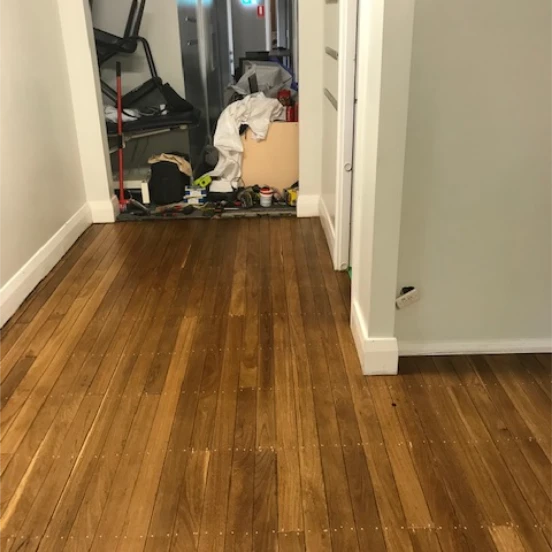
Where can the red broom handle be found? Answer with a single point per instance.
(120, 136)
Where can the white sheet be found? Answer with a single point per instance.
(257, 111)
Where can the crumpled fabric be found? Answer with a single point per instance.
(182, 164)
(257, 112)
(110, 112)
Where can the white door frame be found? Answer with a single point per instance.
(338, 231)
(345, 132)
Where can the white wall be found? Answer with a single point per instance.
(159, 27)
(80, 56)
(42, 197)
(310, 79)
(476, 220)
(383, 72)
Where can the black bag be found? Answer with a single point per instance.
(166, 184)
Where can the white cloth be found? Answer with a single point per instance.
(127, 115)
(132, 114)
(257, 111)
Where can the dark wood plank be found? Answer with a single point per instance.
(239, 286)
(458, 478)
(239, 523)
(215, 507)
(507, 486)
(17, 330)
(290, 515)
(506, 539)
(291, 542)
(190, 504)
(113, 514)
(340, 509)
(266, 496)
(435, 491)
(20, 412)
(68, 290)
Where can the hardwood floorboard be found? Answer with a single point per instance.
(506, 539)
(514, 500)
(36, 299)
(464, 496)
(540, 375)
(267, 501)
(67, 290)
(20, 410)
(113, 514)
(291, 542)
(194, 385)
(440, 505)
(215, 505)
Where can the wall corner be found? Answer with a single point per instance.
(104, 212)
(378, 355)
(308, 205)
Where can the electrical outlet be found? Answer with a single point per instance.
(407, 298)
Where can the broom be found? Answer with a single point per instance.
(122, 201)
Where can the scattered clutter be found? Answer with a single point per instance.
(291, 195)
(260, 76)
(200, 202)
(179, 159)
(257, 112)
(195, 195)
(170, 174)
(203, 181)
(285, 98)
(263, 110)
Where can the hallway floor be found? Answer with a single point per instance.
(193, 385)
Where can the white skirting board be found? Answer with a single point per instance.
(104, 211)
(378, 356)
(329, 230)
(496, 346)
(19, 286)
(308, 205)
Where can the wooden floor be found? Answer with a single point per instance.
(193, 385)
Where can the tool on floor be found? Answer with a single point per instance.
(203, 181)
(122, 201)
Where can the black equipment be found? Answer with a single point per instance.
(109, 45)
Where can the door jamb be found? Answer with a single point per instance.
(348, 11)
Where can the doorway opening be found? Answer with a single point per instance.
(198, 81)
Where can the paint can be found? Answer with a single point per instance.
(266, 197)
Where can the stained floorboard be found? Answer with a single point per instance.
(193, 385)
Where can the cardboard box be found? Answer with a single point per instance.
(272, 162)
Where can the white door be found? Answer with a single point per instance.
(340, 25)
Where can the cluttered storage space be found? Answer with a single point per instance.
(201, 106)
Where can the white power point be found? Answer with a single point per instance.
(408, 296)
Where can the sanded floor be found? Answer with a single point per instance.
(193, 385)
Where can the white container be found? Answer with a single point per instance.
(266, 198)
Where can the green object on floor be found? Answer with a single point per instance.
(350, 272)
(203, 181)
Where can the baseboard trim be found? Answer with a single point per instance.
(104, 211)
(308, 205)
(329, 230)
(19, 286)
(378, 356)
(498, 346)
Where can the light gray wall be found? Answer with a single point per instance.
(41, 182)
(159, 27)
(476, 217)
